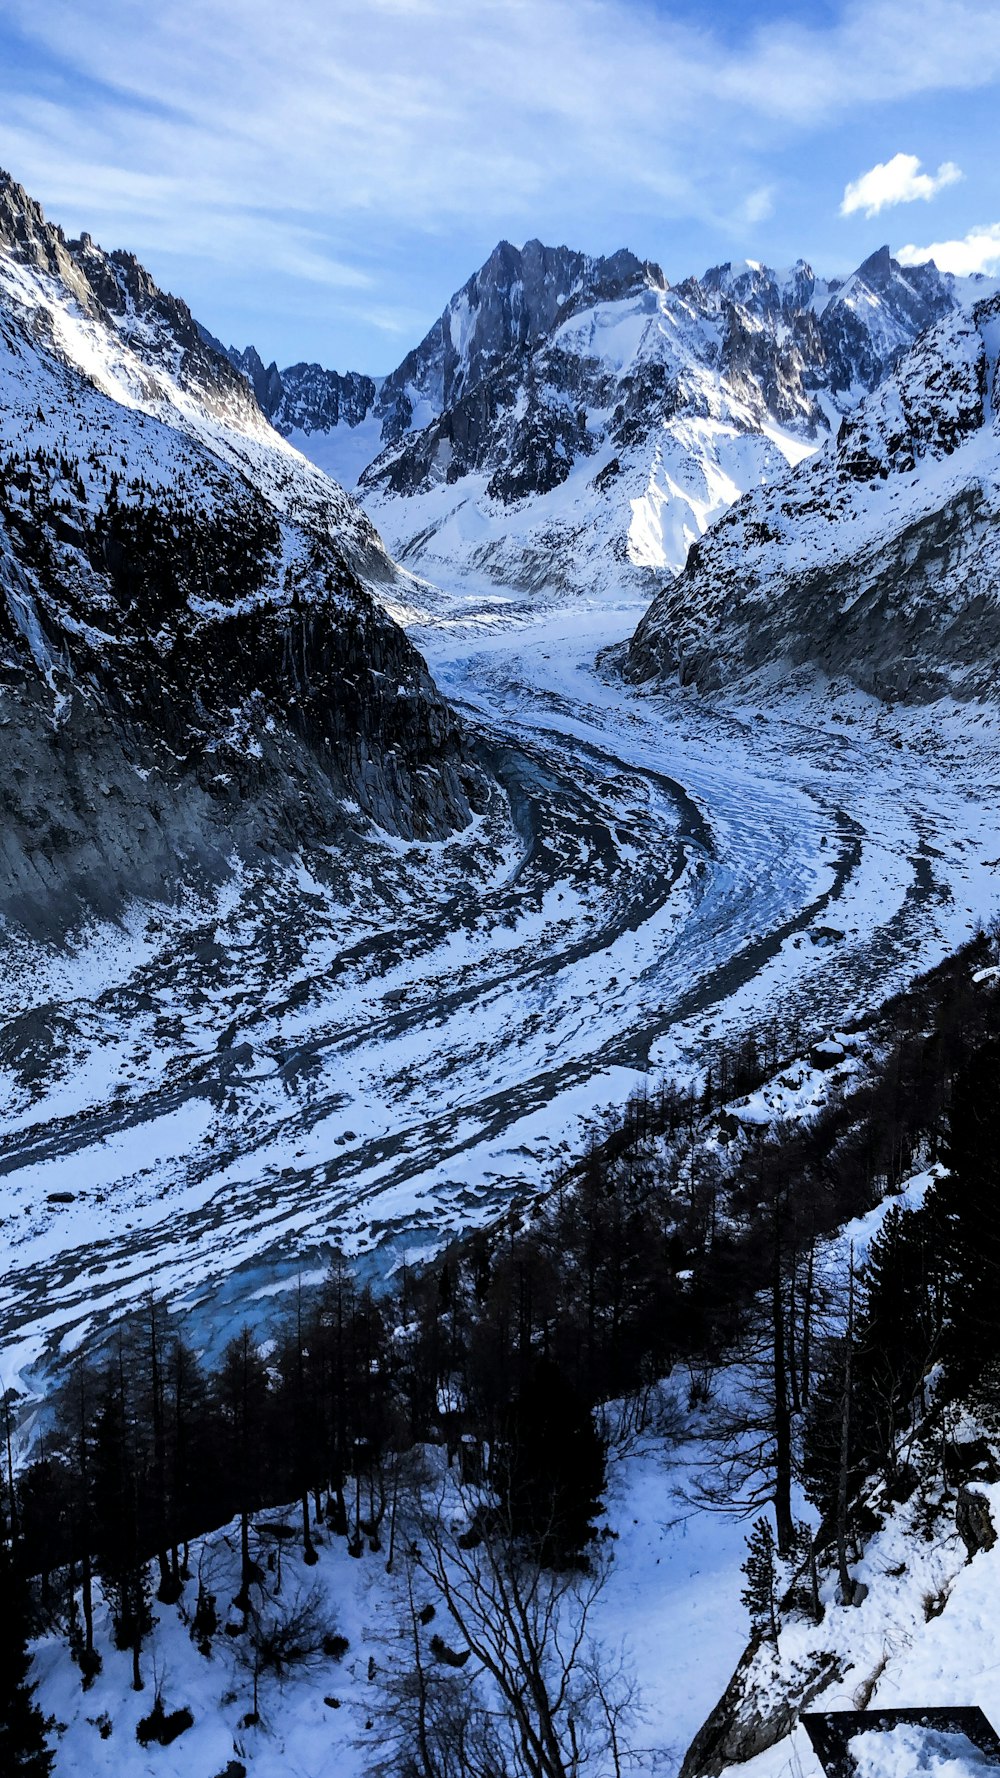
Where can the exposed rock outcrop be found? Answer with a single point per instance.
(748, 1718)
(191, 671)
(878, 561)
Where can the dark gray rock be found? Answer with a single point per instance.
(305, 397)
(974, 1522)
(747, 1719)
(191, 669)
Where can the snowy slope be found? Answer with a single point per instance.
(925, 1636)
(193, 671)
(101, 314)
(574, 425)
(879, 559)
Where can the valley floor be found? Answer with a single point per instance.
(205, 1102)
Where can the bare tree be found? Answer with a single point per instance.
(536, 1696)
(283, 1635)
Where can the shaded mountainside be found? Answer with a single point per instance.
(578, 423)
(102, 313)
(879, 560)
(192, 671)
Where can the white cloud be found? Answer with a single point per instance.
(321, 144)
(978, 251)
(759, 205)
(898, 181)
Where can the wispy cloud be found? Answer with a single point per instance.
(978, 251)
(297, 138)
(424, 109)
(759, 205)
(896, 181)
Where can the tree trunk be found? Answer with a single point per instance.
(246, 1571)
(88, 1604)
(793, 1366)
(846, 1583)
(309, 1555)
(805, 1353)
(782, 1413)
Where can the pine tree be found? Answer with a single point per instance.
(760, 1569)
(899, 1329)
(550, 1467)
(969, 1202)
(23, 1749)
(118, 1531)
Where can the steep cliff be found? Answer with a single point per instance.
(192, 671)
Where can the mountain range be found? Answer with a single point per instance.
(442, 1074)
(191, 689)
(878, 560)
(577, 423)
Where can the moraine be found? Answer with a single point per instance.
(230, 1090)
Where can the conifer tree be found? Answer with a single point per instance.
(760, 1569)
(118, 1528)
(550, 1467)
(968, 1200)
(23, 1749)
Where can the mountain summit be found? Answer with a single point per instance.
(878, 560)
(577, 422)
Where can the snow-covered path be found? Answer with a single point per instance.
(225, 1092)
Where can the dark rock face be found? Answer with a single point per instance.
(906, 301)
(222, 707)
(515, 300)
(746, 1721)
(266, 384)
(191, 671)
(511, 303)
(974, 1522)
(305, 397)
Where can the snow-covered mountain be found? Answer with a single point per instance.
(193, 670)
(878, 560)
(578, 423)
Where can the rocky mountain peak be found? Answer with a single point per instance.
(757, 287)
(183, 620)
(877, 270)
(552, 366)
(266, 383)
(876, 560)
(115, 289)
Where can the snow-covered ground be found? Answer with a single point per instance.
(241, 1086)
(670, 1602)
(223, 1092)
(925, 1637)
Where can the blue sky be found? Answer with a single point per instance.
(318, 176)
